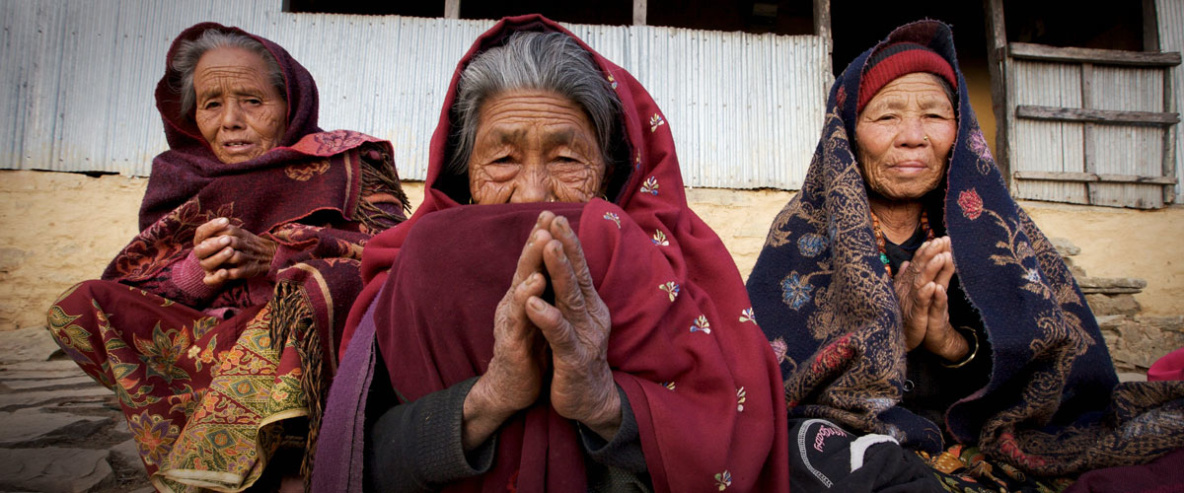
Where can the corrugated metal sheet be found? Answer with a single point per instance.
(1043, 145)
(1171, 38)
(746, 110)
(1128, 150)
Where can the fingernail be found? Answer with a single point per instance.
(223, 220)
(535, 304)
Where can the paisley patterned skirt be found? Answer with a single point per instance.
(965, 469)
(206, 399)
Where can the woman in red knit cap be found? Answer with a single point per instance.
(929, 335)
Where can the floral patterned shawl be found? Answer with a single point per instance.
(209, 378)
(698, 373)
(1052, 406)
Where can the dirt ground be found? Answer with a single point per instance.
(57, 229)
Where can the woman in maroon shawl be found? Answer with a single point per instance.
(217, 326)
(599, 342)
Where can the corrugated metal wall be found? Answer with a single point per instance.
(1171, 38)
(1052, 146)
(1044, 145)
(78, 75)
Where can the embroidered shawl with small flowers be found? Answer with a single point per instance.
(696, 370)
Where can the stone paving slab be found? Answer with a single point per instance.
(53, 469)
(40, 383)
(54, 365)
(127, 452)
(33, 427)
(14, 400)
(42, 374)
(59, 429)
(29, 344)
(1131, 377)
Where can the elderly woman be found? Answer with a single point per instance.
(909, 297)
(217, 326)
(577, 327)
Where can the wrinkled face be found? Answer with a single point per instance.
(239, 112)
(904, 136)
(534, 146)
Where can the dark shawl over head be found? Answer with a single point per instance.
(698, 373)
(824, 298)
(309, 196)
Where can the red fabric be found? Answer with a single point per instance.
(1169, 367)
(189, 165)
(1162, 475)
(709, 404)
(899, 59)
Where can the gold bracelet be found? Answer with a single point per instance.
(973, 350)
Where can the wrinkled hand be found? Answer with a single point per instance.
(577, 328)
(921, 286)
(514, 379)
(228, 252)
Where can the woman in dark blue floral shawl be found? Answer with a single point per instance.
(1020, 369)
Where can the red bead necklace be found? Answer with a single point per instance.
(882, 243)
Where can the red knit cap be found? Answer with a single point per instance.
(900, 59)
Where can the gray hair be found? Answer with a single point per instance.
(189, 53)
(540, 61)
(949, 90)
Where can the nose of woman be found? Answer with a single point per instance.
(533, 185)
(232, 116)
(912, 133)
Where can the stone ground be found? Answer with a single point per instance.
(60, 431)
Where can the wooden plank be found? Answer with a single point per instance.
(822, 27)
(1045, 53)
(1055, 176)
(452, 9)
(639, 12)
(1150, 26)
(1169, 137)
(997, 66)
(1093, 178)
(1145, 180)
(1088, 138)
(1097, 116)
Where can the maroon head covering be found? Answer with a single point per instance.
(696, 369)
(189, 168)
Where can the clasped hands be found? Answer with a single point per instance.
(922, 287)
(227, 252)
(576, 327)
